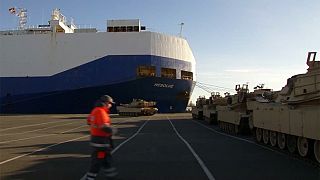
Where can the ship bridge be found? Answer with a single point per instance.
(125, 25)
(59, 23)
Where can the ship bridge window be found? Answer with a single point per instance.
(124, 28)
(186, 75)
(168, 73)
(129, 28)
(110, 29)
(146, 71)
(117, 29)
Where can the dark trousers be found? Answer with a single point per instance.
(101, 158)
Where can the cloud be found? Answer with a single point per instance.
(244, 70)
(210, 76)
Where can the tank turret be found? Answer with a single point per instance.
(303, 88)
(197, 111)
(201, 101)
(209, 109)
(139, 103)
(233, 116)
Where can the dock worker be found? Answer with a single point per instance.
(101, 140)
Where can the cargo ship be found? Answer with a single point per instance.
(61, 68)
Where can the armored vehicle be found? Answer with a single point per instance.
(137, 107)
(291, 119)
(210, 109)
(233, 117)
(197, 111)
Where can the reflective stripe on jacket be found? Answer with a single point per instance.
(100, 142)
(98, 119)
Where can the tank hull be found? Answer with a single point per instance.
(300, 121)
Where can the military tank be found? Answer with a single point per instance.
(261, 95)
(233, 117)
(197, 111)
(210, 112)
(291, 117)
(137, 107)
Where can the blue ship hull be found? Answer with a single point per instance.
(75, 90)
(171, 95)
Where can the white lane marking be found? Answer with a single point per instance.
(38, 150)
(37, 129)
(223, 133)
(47, 147)
(73, 129)
(121, 144)
(134, 135)
(234, 137)
(31, 125)
(3, 142)
(203, 166)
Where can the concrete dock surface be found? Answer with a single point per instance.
(159, 147)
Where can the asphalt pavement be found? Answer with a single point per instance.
(159, 147)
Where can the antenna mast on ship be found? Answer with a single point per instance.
(22, 14)
(181, 26)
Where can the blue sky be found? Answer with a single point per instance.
(233, 41)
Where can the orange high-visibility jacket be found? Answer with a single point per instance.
(98, 119)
